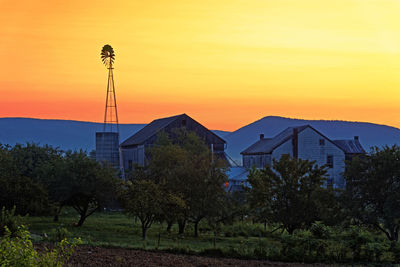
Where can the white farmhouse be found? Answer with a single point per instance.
(306, 143)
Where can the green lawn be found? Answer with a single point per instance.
(118, 230)
(241, 240)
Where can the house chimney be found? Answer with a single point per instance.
(295, 143)
(261, 136)
(356, 137)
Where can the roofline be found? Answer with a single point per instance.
(290, 136)
(121, 145)
(223, 140)
(330, 140)
(286, 139)
(273, 148)
(351, 152)
(257, 153)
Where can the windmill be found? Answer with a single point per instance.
(107, 142)
(110, 115)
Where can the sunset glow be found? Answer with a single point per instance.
(225, 63)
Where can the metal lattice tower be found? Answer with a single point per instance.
(111, 113)
(107, 142)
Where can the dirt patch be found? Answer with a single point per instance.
(97, 256)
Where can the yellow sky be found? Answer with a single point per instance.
(226, 63)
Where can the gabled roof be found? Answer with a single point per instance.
(267, 145)
(149, 130)
(154, 127)
(351, 146)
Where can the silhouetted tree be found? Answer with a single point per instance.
(143, 199)
(372, 192)
(289, 192)
(84, 184)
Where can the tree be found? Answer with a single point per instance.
(183, 167)
(372, 194)
(34, 161)
(143, 199)
(288, 193)
(17, 185)
(84, 184)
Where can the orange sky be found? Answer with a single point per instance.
(226, 63)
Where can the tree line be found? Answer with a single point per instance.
(183, 183)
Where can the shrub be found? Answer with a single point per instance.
(357, 239)
(320, 230)
(19, 251)
(266, 250)
(374, 250)
(10, 220)
(58, 234)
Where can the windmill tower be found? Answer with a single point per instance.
(107, 141)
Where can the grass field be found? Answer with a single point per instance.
(118, 230)
(241, 240)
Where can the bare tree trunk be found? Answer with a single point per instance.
(196, 228)
(58, 211)
(181, 224)
(169, 226)
(81, 220)
(144, 230)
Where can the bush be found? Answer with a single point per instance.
(357, 239)
(320, 230)
(266, 250)
(374, 251)
(10, 220)
(19, 251)
(58, 234)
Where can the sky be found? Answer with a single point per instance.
(225, 63)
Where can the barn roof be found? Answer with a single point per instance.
(267, 145)
(351, 146)
(153, 128)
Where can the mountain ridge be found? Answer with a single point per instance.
(75, 135)
(370, 134)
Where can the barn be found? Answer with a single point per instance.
(134, 148)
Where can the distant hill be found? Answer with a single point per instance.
(65, 134)
(370, 134)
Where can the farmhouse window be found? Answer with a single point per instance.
(321, 142)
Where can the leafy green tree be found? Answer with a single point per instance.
(288, 193)
(208, 196)
(372, 193)
(143, 199)
(28, 194)
(84, 184)
(182, 165)
(34, 161)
